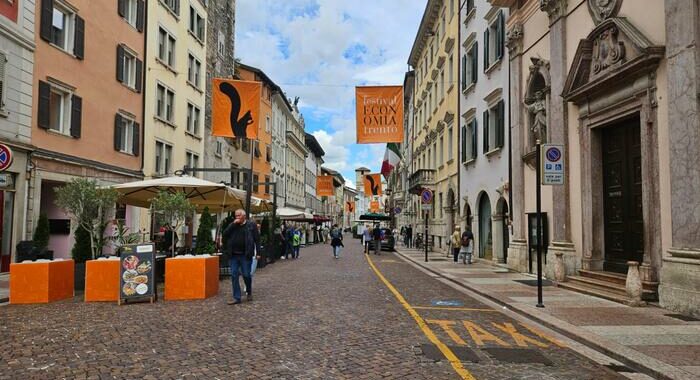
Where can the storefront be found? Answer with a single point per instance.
(12, 200)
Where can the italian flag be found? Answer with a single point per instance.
(391, 159)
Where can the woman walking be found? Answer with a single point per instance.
(336, 241)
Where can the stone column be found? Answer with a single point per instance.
(558, 127)
(517, 249)
(680, 273)
(498, 235)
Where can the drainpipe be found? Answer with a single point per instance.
(143, 86)
(458, 115)
(510, 151)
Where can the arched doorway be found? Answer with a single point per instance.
(467, 217)
(485, 235)
(450, 212)
(500, 231)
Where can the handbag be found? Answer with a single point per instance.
(253, 265)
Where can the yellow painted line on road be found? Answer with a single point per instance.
(452, 308)
(454, 361)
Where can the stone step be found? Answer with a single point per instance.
(591, 290)
(618, 278)
(612, 287)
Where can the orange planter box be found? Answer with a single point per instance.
(101, 280)
(41, 282)
(191, 278)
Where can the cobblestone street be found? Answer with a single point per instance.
(313, 318)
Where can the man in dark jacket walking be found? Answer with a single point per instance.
(243, 241)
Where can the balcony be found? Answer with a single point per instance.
(421, 178)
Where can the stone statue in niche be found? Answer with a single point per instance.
(537, 109)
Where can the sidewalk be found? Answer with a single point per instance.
(649, 339)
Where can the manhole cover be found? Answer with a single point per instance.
(518, 355)
(447, 303)
(682, 317)
(462, 353)
(534, 282)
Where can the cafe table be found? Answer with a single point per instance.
(189, 277)
(102, 279)
(41, 281)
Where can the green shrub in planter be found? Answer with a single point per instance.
(41, 232)
(205, 242)
(81, 251)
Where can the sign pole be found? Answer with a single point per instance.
(538, 193)
(425, 237)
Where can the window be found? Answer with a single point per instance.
(62, 24)
(126, 135)
(442, 149)
(268, 153)
(219, 148)
(191, 160)
(450, 141)
(172, 5)
(494, 39)
(62, 27)
(494, 125)
(194, 69)
(245, 145)
(221, 45)
(165, 100)
(451, 76)
(163, 158)
(132, 11)
(442, 84)
(129, 69)
(267, 124)
(256, 149)
(469, 141)
(60, 110)
(193, 119)
(452, 8)
(256, 185)
(166, 48)
(3, 61)
(120, 212)
(196, 24)
(442, 25)
(267, 184)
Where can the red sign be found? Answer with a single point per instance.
(5, 157)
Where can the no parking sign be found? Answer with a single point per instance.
(552, 164)
(5, 157)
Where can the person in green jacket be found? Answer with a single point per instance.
(296, 242)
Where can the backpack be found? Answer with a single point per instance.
(335, 234)
(465, 240)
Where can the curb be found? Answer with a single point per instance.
(635, 360)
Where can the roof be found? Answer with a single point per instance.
(362, 169)
(430, 15)
(313, 145)
(335, 174)
(266, 80)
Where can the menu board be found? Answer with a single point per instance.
(137, 272)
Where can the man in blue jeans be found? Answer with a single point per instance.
(243, 241)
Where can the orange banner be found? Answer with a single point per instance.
(236, 108)
(324, 186)
(373, 184)
(350, 206)
(379, 114)
(374, 206)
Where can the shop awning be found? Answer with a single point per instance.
(374, 216)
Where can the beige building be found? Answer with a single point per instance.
(434, 57)
(175, 86)
(609, 80)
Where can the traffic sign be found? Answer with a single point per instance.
(552, 164)
(426, 196)
(5, 157)
(397, 210)
(426, 207)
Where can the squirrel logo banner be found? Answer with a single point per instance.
(373, 184)
(236, 108)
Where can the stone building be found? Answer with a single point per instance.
(313, 163)
(617, 85)
(295, 155)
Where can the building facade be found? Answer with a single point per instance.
(483, 121)
(362, 205)
(220, 152)
(407, 201)
(434, 57)
(16, 83)
(281, 116)
(313, 162)
(295, 158)
(349, 195)
(175, 88)
(76, 129)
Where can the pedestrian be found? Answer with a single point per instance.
(336, 241)
(289, 249)
(377, 235)
(366, 237)
(467, 243)
(296, 242)
(243, 242)
(409, 235)
(456, 243)
(395, 233)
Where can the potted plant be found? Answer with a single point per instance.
(205, 242)
(121, 236)
(41, 234)
(175, 208)
(88, 204)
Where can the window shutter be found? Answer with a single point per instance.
(117, 132)
(137, 132)
(3, 60)
(76, 116)
(177, 7)
(44, 105)
(474, 140)
(464, 72)
(140, 15)
(79, 47)
(121, 7)
(486, 49)
(139, 75)
(45, 30)
(500, 37)
(120, 63)
(475, 62)
(464, 144)
(486, 131)
(500, 134)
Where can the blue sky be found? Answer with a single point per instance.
(320, 50)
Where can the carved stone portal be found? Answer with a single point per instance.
(608, 50)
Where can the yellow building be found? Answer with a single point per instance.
(434, 57)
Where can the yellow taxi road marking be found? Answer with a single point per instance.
(452, 308)
(480, 335)
(454, 361)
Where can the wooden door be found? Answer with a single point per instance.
(622, 195)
